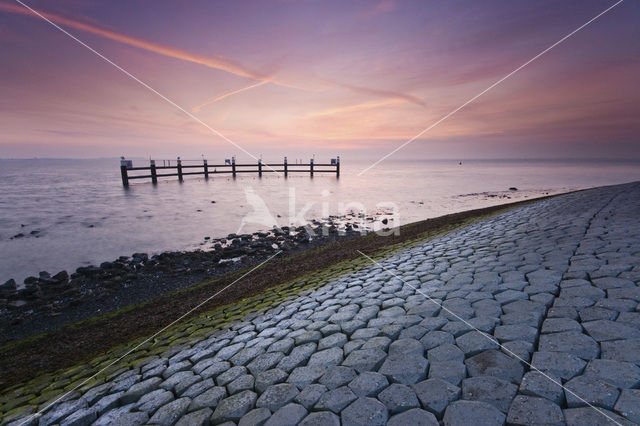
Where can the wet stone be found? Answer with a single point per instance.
(335, 400)
(413, 417)
(365, 412)
(436, 394)
(290, 414)
(472, 412)
(529, 410)
(398, 398)
(492, 390)
(170, 413)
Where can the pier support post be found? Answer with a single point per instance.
(179, 169)
(286, 172)
(311, 167)
(233, 166)
(260, 167)
(123, 172)
(338, 166)
(206, 169)
(154, 175)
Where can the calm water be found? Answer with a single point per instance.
(82, 215)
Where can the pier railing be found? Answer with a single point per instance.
(179, 169)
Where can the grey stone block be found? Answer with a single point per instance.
(570, 342)
(588, 390)
(337, 376)
(497, 364)
(365, 359)
(277, 396)
(335, 400)
(321, 418)
(197, 418)
(368, 384)
(530, 410)
(558, 364)
(622, 350)
(541, 385)
(398, 398)
(150, 402)
(304, 376)
(445, 352)
(234, 407)
(449, 371)
(365, 412)
(406, 369)
(289, 415)
(492, 390)
(628, 404)
(472, 412)
(602, 330)
(436, 394)
(474, 342)
(557, 325)
(588, 416)
(413, 417)
(309, 395)
(255, 417)
(170, 413)
(268, 378)
(621, 374)
(326, 358)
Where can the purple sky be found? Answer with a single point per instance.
(298, 77)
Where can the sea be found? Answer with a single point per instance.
(60, 214)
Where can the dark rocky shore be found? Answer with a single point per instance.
(48, 302)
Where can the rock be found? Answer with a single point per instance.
(406, 369)
(139, 389)
(289, 415)
(244, 382)
(168, 414)
(368, 384)
(621, 374)
(364, 412)
(474, 342)
(303, 376)
(398, 398)
(265, 362)
(363, 360)
(197, 418)
(150, 402)
(529, 410)
(268, 378)
(335, 400)
(436, 394)
(255, 417)
(449, 371)
(337, 376)
(497, 364)
(82, 417)
(234, 407)
(622, 350)
(208, 399)
(584, 390)
(492, 390)
(547, 386)
(628, 404)
(277, 396)
(310, 395)
(588, 416)
(472, 412)
(602, 330)
(558, 364)
(321, 418)
(570, 342)
(326, 358)
(60, 411)
(413, 417)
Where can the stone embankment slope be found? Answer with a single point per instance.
(529, 317)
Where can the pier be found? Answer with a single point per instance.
(181, 168)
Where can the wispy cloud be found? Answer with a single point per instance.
(354, 108)
(381, 93)
(216, 62)
(381, 7)
(226, 95)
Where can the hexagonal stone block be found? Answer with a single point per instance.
(497, 364)
(622, 350)
(230, 375)
(525, 333)
(255, 417)
(558, 325)
(472, 412)
(436, 394)
(150, 402)
(234, 407)
(406, 347)
(602, 330)
(326, 358)
(337, 376)
(321, 418)
(364, 412)
(449, 371)
(407, 369)
(197, 418)
(336, 340)
(335, 400)
(474, 342)
(436, 338)
(277, 396)
(310, 395)
(264, 362)
(587, 390)
(628, 404)
(621, 374)
(304, 376)
(558, 364)
(268, 378)
(570, 342)
(413, 417)
(365, 359)
(368, 384)
(541, 385)
(445, 352)
(529, 410)
(588, 416)
(398, 398)
(290, 414)
(169, 414)
(492, 390)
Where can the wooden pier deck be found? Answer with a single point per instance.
(182, 168)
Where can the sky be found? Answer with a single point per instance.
(303, 77)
